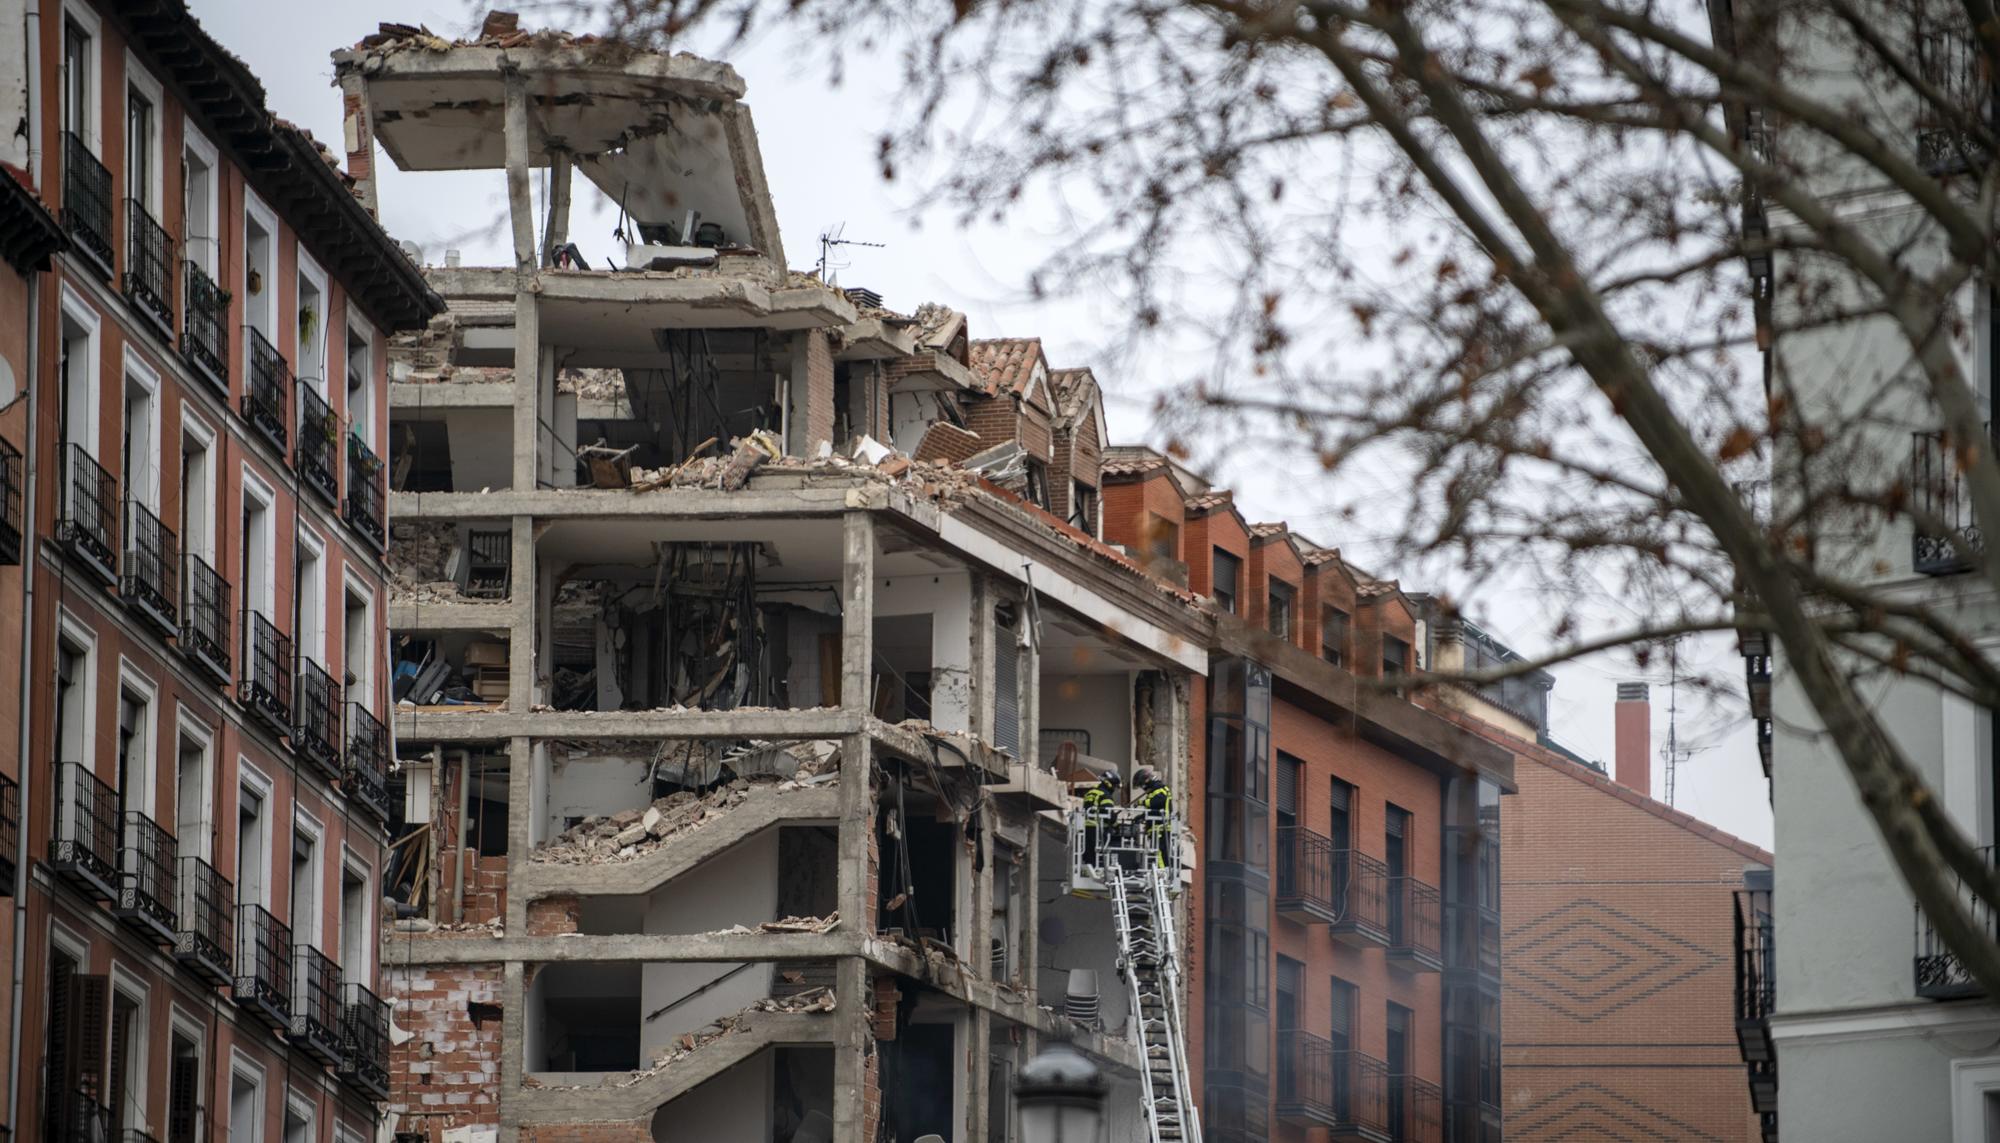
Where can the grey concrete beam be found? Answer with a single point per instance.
(645, 1093)
(723, 297)
(427, 615)
(562, 68)
(644, 948)
(481, 724)
(598, 503)
(429, 396)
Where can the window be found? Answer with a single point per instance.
(260, 270)
(298, 1121)
(1333, 635)
(354, 942)
(305, 883)
(1291, 993)
(1291, 772)
(139, 122)
(79, 78)
(357, 650)
(309, 601)
(191, 797)
(1083, 506)
(360, 393)
(1398, 1059)
(1395, 657)
(1228, 573)
(75, 689)
(135, 750)
(1038, 484)
(139, 450)
(1340, 825)
(246, 1107)
(198, 202)
(259, 550)
(1342, 1031)
(183, 1088)
(127, 1073)
(197, 523)
(1396, 831)
(77, 375)
(311, 327)
(253, 859)
(74, 1062)
(1279, 616)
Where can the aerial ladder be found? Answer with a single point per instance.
(1122, 858)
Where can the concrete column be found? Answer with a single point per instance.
(520, 820)
(520, 203)
(978, 1096)
(523, 594)
(981, 699)
(852, 1042)
(856, 887)
(857, 612)
(559, 179)
(513, 1038)
(1030, 680)
(527, 326)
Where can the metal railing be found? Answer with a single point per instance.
(88, 525)
(365, 777)
(10, 832)
(267, 671)
(1416, 1110)
(1361, 893)
(149, 265)
(152, 566)
(1946, 528)
(316, 734)
(1950, 63)
(318, 454)
(1305, 881)
(316, 1003)
(264, 965)
(267, 391)
(205, 324)
(205, 618)
(84, 845)
(365, 494)
(1940, 975)
(1304, 1077)
(12, 481)
(147, 876)
(364, 1040)
(206, 941)
(76, 1117)
(1756, 985)
(1415, 923)
(86, 208)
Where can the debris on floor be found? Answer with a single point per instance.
(628, 833)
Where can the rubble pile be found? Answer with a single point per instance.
(593, 384)
(812, 1000)
(819, 999)
(824, 924)
(419, 560)
(627, 833)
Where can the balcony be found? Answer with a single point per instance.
(1940, 975)
(365, 777)
(1415, 919)
(318, 455)
(77, 1117)
(88, 522)
(264, 966)
(12, 481)
(86, 211)
(267, 673)
(316, 735)
(148, 870)
(10, 832)
(316, 1023)
(1756, 996)
(1305, 882)
(267, 392)
(364, 492)
(364, 1041)
(1416, 1110)
(1321, 1085)
(150, 584)
(1941, 504)
(205, 619)
(1950, 62)
(84, 847)
(208, 922)
(149, 266)
(205, 325)
(1361, 892)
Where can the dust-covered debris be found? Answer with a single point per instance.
(593, 384)
(420, 559)
(628, 833)
(812, 1001)
(819, 999)
(824, 924)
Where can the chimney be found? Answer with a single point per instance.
(1633, 723)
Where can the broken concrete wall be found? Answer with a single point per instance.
(947, 598)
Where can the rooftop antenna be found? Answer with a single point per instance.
(1674, 753)
(828, 239)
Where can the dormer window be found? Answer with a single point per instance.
(1278, 616)
(1228, 573)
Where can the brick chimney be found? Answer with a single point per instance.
(1633, 724)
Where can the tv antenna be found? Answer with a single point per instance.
(828, 239)
(1675, 754)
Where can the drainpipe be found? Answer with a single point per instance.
(29, 555)
(458, 859)
(34, 33)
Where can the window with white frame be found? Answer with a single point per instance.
(136, 769)
(139, 450)
(260, 542)
(79, 74)
(309, 600)
(305, 880)
(311, 326)
(357, 651)
(76, 374)
(246, 1102)
(360, 375)
(260, 269)
(126, 1086)
(253, 843)
(194, 769)
(76, 695)
(197, 523)
(200, 181)
(184, 1082)
(356, 936)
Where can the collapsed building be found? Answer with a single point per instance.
(747, 637)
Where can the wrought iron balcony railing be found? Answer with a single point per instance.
(149, 266)
(365, 777)
(84, 845)
(318, 454)
(1415, 924)
(267, 392)
(1361, 894)
(1950, 63)
(1756, 997)
(10, 832)
(316, 1004)
(365, 494)
(12, 481)
(205, 325)
(1941, 504)
(267, 672)
(148, 874)
(1321, 1084)
(150, 585)
(264, 966)
(1416, 1110)
(206, 942)
(1940, 974)
(76, 1117)
(205, 619)
(88, 524)
(364, 1041)
(316, 734)
(1305, 882)
(86, 208)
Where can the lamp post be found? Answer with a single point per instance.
(1060, 1095)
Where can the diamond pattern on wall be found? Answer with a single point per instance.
(1587, 1111)
(1587, 960)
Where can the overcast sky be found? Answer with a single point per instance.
(819, 143)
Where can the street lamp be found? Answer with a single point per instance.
(1060, 1095)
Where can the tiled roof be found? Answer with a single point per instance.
(1073, 388)
(1317, 556)
(1374, 588)
(1207, 500)
(1134, 466)
(1005, 364)
(1267, 529)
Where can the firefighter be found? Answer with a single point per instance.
(1158, 803)
(1100, 807)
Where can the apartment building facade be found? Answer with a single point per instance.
(196, 839)
(1351, 844)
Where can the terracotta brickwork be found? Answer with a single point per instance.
(819, 389)
(635, 1131)
(447, 1074)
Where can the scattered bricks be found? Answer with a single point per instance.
(883, 1012)
(631, 836)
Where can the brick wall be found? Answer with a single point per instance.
(635, 1131)
(553, 916)
(819, 389)
(947, 442)
(992, 419)
(485, 888)
(1618, 946)
(1037, 434)
(447, 1074)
